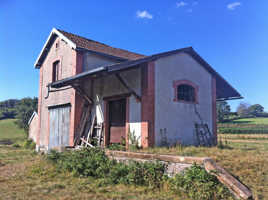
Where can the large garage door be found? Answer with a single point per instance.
(59, 125)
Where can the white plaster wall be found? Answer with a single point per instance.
(135, 128)
(135, 117)
(92, 61)
(178, 118)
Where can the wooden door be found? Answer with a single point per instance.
(117, 120)
(59, 126)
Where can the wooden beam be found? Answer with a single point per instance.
(127, 87)
(87, 143)
(83, 94)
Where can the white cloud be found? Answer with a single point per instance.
(181, 4)
(232, 6)
(144, 14)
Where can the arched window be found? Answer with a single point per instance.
(185, 91)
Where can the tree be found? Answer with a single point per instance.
(242, 109)
(7, 108)
(25, 109)
(255, 110)
(223, 110)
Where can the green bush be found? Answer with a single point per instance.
(118, 174)
(29, 144)
(93, 162)
(86, 162)
(117, 147)
(197, 184)
(148, 173)
(16, 145)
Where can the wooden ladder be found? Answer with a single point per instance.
(99, 134)
(204, 136)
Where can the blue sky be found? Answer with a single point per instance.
(231, 35)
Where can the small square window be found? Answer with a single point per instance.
(186, 93)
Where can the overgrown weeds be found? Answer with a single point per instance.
(195, 182)
(117, 147)
(92, 162)
(29, 144)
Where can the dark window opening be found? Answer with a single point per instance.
(55, 71)
(186, 93)
(117, 112)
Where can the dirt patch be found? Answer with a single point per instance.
(1, 164)
(10, 170)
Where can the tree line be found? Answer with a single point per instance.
(244, 110)
(21, 110)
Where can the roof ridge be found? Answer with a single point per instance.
(97, 42)
(82, 37)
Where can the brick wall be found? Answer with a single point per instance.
(148, 105)
(70, 64)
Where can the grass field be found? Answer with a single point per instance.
(26, 175)
(259, 120)
(244, 126)
(10, 132)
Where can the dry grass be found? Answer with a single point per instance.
(247, 161)
(26, 175)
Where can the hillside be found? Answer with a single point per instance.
(9, 132)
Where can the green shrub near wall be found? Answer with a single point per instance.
(194, 183)
(93, 162)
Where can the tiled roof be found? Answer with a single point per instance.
(100, 47)
(224, 90)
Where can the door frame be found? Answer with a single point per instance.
(49, 108)
(106, 101)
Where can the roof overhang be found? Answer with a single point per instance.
(224, 91)
(32, 116)
(51, 38)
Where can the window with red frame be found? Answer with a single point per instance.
(186, 93)
(55, 71)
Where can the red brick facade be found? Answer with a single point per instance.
(214, 108)
(71, 63)
(76, 100)
(148, 105)
(127, 121)
(39, 105)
